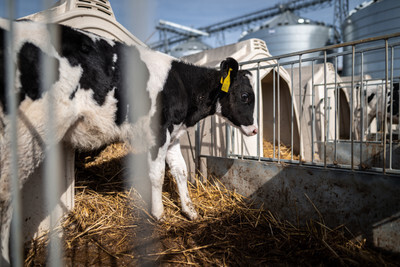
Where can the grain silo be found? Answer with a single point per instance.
(371, 19)
(287, 33)
(192, 46)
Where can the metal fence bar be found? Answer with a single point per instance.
(301, 113)
(273, 112)
(52, 163)
(336, 111)
(391, 110)
(279, 113)
(16, 248)
(353, 55)
(312, 112)
(325, 109)
(259, 94)
(362, 101)
(385, 103)
(291, 113)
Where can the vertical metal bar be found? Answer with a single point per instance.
(213, 135)
(352, 106)
(325, 109)
(260, 136)
(233, 140)
(278, 92)
(228, 139)
(136, 79)
(336, 111)
(362, 101)
(381, 120)
(52, 163)
(385, 104)
(291, 112)
(398, 99)
(377, 117)
(391, 111)
(16, 249)
(329, 117)
(197, 148)
(241, 134)
(273, 113)
(301, 114)
(242, 145)
(312, 112)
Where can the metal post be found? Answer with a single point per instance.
(197, 148)
(385, 104)
(292, 113)
(391, 110)
(301, 114)
(228, 137)
(279, 114)
(336, 111)
(52, 163)
(273, 114)
(362, 101)
(325, 110)
(312, 112)
(260, 137)
(16, 249)
(352, 105)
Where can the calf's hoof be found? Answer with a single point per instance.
(191, 214)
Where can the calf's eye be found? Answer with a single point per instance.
(245, 97)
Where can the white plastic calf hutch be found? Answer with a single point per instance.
(212, 130)
(312, 100)
(91, 15)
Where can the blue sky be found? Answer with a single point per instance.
(141, 16)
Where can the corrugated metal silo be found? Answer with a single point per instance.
(373, 18)
(192, 46)
(288, 33)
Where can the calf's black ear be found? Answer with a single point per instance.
(227, 64)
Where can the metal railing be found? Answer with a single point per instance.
(329, 118)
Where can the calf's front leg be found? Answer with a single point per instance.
(178, 170)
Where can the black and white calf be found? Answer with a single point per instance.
(374, 108)
(94, 77)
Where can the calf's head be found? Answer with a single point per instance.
(237, 97)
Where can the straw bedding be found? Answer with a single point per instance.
(282, 151)
(110, 226)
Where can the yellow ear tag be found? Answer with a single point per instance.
(227, 82)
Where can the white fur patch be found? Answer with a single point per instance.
(218, 109)
(249, 130)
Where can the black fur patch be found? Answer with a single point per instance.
(102, 75)
(94, 57)
(370, 97)
(395, 100)
(30, 59)
(72, 96)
